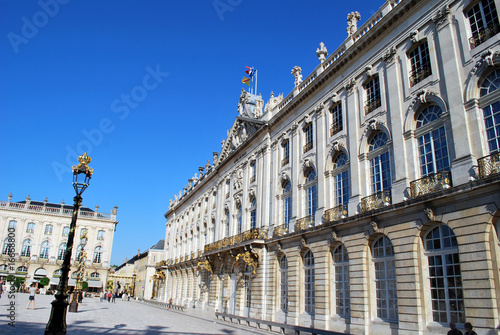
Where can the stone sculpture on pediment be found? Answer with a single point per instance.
(322, 52)
(352, 23)
(273, 102)
(296, 73)
(244, 98)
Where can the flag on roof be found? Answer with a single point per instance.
(246, 80)
(250, 71)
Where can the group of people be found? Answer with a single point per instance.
(109, 296)
(468, 329)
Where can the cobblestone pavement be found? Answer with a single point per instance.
(122, 317)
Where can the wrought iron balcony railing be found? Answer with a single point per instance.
(304, 223)
(285, 161)
(377, 200)
(431, 183)
(483, 35)
(335, 128)
(336, 213)
(280, 230)
(308, 146)
(371, 105)
(419, 74)
(489, 165)
(252, 234)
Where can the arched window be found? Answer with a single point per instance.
(311, 188)
(380, 167)
(385, 279)
(57, 273)
(445, 277)
(22, 270)
(95, 276)
(432, 146)
(491, 112)
(284, 284)
(239, 219)
(40, 273)
(342, 284)
(98, 254)
(287, 203)
(253, 213)
(26, 248)
(61, 251)
(6, 246)
(45, 250)
(309, 277)
(341, 179)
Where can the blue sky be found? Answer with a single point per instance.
(148, 88)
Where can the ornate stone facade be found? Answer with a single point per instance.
(40, 232)
(389, 224)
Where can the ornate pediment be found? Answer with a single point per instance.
(243, 128)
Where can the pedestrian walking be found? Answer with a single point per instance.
(109, 296)
(101, 296)
(453, 329)
(113, 298)
(1, 288)
(31, 298)
(468, 327)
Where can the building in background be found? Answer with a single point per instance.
(367, 199)
(40, 232)
(138, 276)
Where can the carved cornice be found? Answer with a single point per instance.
(442, 16)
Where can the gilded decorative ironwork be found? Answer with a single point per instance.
(335, 128)
(308, 146)
(489, 165)
(304, 223)
(249, 259)
(252, 234)
(420, 74)
(431, 183)
(371, 105)
(207, 266)
(483, 35)
(280, 230)
(336, 213)
(377, 200)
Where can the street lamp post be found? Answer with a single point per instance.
(73, 306)
(57, 320)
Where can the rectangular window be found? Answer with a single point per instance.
(65, 231)
(308, 132)
(342, 189)
(381, 173)
(286, 153)
(30, 228)
(483, 20)
(48, 229)
(336, 119)
(287, 210)
(253, 172)
(100, 235)
(420, 62)
(312, 201)
(12, 224)
(372, 90)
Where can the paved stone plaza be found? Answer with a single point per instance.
(122, 317)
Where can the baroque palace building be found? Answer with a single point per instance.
(40, 232)
(367, 200)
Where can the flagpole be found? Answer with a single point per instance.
(255, 82)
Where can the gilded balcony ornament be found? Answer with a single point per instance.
(249, 259)
(280, 230)
(304, 223)
(489, 165)
(207, 266)
(377, 200)
(431, 183)
(336, 213)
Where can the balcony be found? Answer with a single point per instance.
(377, 200)
(285, 161)
(371, 105)
(304, 223)
(252, 234)
(335, 128)
(489, 165)
(420, 74)
(336, 213)
(483, 35)
(308, 146)
(431, 183)
(280, 230)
